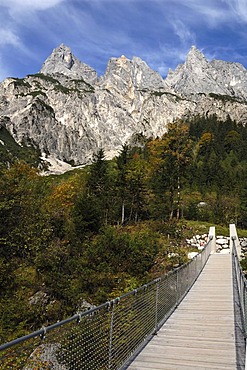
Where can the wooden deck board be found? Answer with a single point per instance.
(200, 332)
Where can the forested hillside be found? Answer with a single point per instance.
(92, 234)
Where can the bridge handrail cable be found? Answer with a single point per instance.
(108, 336)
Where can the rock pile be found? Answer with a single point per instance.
(199, 241)
(222, 244)
(243, 244)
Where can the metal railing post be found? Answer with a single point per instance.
(234, 239)
(156, 305)
(111, 307)
(177, 288)
(212, 239)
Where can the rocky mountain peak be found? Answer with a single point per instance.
(64, 62)
(134, 73)
(195, 56)
(198, 75)
(71, 114)
(195, 76)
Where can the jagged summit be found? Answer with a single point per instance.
(194, 55)
(197, 75)
(68, 120)
(131, 72)
(193, 76)
(63, 61)
(196, 62)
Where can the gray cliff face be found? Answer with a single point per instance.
(233, 76)
(197, 75)
(126, 75)
(62, 61)
(69, 113)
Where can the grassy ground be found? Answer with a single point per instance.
(199, 227)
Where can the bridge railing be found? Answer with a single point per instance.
(241, 287)
(108, 336)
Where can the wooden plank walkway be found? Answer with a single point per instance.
(200, 332)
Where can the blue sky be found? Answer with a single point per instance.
(160, 32)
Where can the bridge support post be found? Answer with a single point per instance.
(156, 306)
(111, 308)
(213, 239)
(234, 234)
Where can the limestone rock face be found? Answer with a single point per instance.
(64, 62)
(69, 113)
(125, 74)
(233, 76)
(197, 76)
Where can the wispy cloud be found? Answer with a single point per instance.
(159, 31)
(183, 32)
(28, 5)
(238, 9)
(9, 37)
(211, 12)
(19, 24)
(3, 70)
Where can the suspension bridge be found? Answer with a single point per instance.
(191, 318)
(200, 333)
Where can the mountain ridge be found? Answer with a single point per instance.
(68, 112)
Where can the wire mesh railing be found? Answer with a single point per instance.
(241, 287)
(107, 336)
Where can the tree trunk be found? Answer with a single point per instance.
(123, 216)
